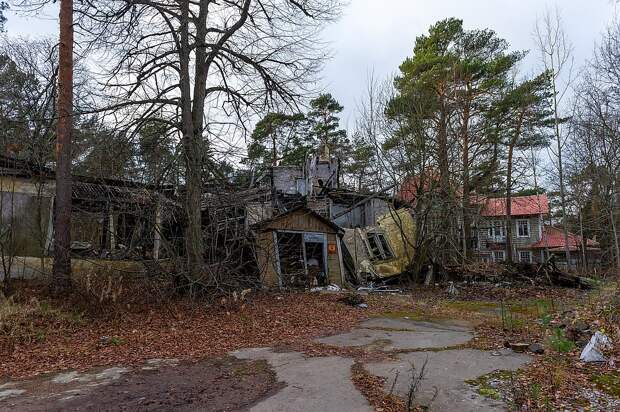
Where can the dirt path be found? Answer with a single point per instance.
(216, 385)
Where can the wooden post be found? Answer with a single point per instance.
(157, 231)
(111, 231)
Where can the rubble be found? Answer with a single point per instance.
(328, 288)
(536, 348)
(547, 274)
(372, 288)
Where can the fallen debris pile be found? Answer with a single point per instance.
(547, 274)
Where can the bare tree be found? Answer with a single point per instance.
(207, 65)
(594, 146)
(556, 55)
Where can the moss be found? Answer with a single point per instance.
(495, 375)
(489, 393)
(483, 383)
(418, 315)
(608, 383)
(473, 306)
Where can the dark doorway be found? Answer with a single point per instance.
(291, 258)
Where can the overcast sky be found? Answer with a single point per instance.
(377, 35)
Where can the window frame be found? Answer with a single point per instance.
(383, 248)
(503, 259)
(529, 253)
(528, 226)
(494, 228)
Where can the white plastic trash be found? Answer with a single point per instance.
(593, 352)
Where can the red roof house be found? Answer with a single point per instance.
(553, 239)
(521, 206)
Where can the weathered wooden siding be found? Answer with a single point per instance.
(299, 221)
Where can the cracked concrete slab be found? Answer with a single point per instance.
(446, 371)
(7, 393)
(312, 384)
(401, 334)
(415, 325)
(105, 375)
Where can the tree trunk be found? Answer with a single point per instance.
(561, 172)
(509, 257)
(442, 149)
(61, 273)
(615, 233)
(192, 152)
(583, 242)
(466, 185)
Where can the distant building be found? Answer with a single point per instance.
(532, 240)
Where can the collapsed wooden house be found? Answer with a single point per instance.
(112, 220)
(299, 248)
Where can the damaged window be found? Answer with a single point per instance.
(378, 247)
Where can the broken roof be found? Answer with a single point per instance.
(86, 187)
(265, 223)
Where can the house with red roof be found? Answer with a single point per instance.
(527, 220)
(532, 240)
(553, 243)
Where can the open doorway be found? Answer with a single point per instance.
(302, 259)
(316, 261)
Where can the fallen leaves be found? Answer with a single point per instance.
(202, 331)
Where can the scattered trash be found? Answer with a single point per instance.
(452, 289)
(104, 340)
(593, 350)
(330, 288)
(372, 288)
(362, 306)
(334, 288)
(536, 348)
(496, 353)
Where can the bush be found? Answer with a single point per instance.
(558, 341)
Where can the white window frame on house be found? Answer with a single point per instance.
(497, 230)
(497, 253)
(527, 225)
(529, 255)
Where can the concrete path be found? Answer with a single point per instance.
(319, 384)
(443, 386)
(401, 334)
(300, 383)
(312, 384)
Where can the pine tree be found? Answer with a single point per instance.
(324, 126)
